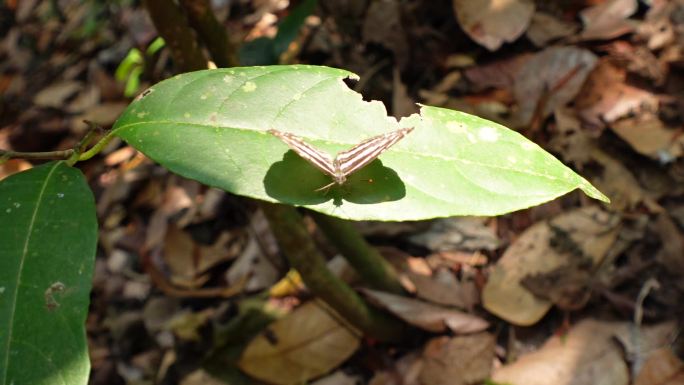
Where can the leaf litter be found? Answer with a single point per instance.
(598, 83)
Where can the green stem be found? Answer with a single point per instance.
(373, 269)
(301, 252)
(60, 154)
(97, 147)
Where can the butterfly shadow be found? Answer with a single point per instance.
(295, 181)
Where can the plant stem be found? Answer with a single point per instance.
(173, 27)
(211, 32)
(299, 248)
(366, 260)
(60, 154)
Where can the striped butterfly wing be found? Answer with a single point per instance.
(308, 152)
(366, 151)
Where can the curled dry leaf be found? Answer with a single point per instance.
(606, 97)
(458, 360)
(608, 19)
(587, 355)
(303, 345)
(427, 316)
(545, 28)
(550, 79)
(586, 233)
(492, 22)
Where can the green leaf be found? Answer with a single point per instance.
(211, 126)
(48, 235)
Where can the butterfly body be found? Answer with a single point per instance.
(345, 162)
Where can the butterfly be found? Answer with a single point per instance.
(345, 162)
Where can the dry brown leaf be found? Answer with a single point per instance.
(57, 93)
(404, 371)
(467, 233)
(588, 231)
(13, 166)
(499, 74)
(551, 79)
(618, 182)
(663, 367)
(427, 316)
(608, 19)
(649, 136)
(303, 345)
(338, 378)
(545, 28)
(402, 104)
(254, 266)
(442, 288)
(606, 97)
(383, 25)
(104, 114)
(458, 360)
(569, 139)
(587, 355)
(200, 377)
(670, 256)
(490, 23)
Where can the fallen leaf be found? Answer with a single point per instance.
(200, 377)
(586, 355)
(442, 288)
(573, 143)
(338, 378)
(402, 104)
(649, 136)
(458, 360)
(586, 233)
(618, 182)
(383, 25)
(605, 97)
(545, 28)
(550, 79)
(608, 19)
(458, 234)
(499, 74)
(57, 93)
(663, 367)
(490, 23)
(427, 316)
(254, 266)
(303, 345)
(404, 371)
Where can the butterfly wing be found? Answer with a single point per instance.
(318, 158)
(366, 151)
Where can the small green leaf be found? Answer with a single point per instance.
(211, 126)
(48, 235)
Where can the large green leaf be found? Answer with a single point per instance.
(211, 126)
(48, 235)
